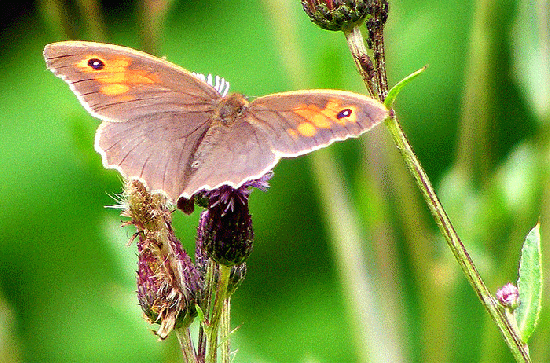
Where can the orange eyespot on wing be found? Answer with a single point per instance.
(114, 74)
(316, 117)
(332, 112)
(119, 84)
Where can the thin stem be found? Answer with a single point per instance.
(218, 294)
(379, 52)
(362, 60)
(201, 344)
(455, 244)
(225, 330)
(184, 338)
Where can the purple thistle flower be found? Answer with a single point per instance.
(225, 228)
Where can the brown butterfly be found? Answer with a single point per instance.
(179, 133)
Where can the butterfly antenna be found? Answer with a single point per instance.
(218, 83)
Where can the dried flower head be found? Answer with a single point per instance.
(168, 283)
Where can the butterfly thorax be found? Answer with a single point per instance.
(229, 108)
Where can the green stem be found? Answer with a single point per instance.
(379, 51)
(225, 330)
(362, 60)
(186, 344)
(218, 295)
(455, 244)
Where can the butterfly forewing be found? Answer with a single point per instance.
(119, 84)
(155, 113)
(302, 121)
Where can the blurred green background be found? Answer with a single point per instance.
(478, 119)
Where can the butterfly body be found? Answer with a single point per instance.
(230, 108)
(179, 135)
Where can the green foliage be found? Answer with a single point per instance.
(394, 91)
(530, 284)
(67, 280)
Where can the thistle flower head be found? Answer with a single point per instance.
(225, 229)
(168, 282)
(336, 14)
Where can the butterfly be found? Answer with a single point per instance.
(180, 133)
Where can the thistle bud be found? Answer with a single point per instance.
(238, 272)
(225, 229)
(336, 14)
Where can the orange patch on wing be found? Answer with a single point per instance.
(114, 89)
(306, 129)
(352, 118)
(292, 133)
(312, 113)
(333, 108)
(324, 117)
(321, 120)
(116, 71)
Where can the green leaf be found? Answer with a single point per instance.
(200, 314)
(529, 284)
(392, 94)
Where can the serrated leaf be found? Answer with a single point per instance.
(529, 284)
(392, 94)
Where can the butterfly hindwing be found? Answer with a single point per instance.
(235, 154)
(159, 153)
